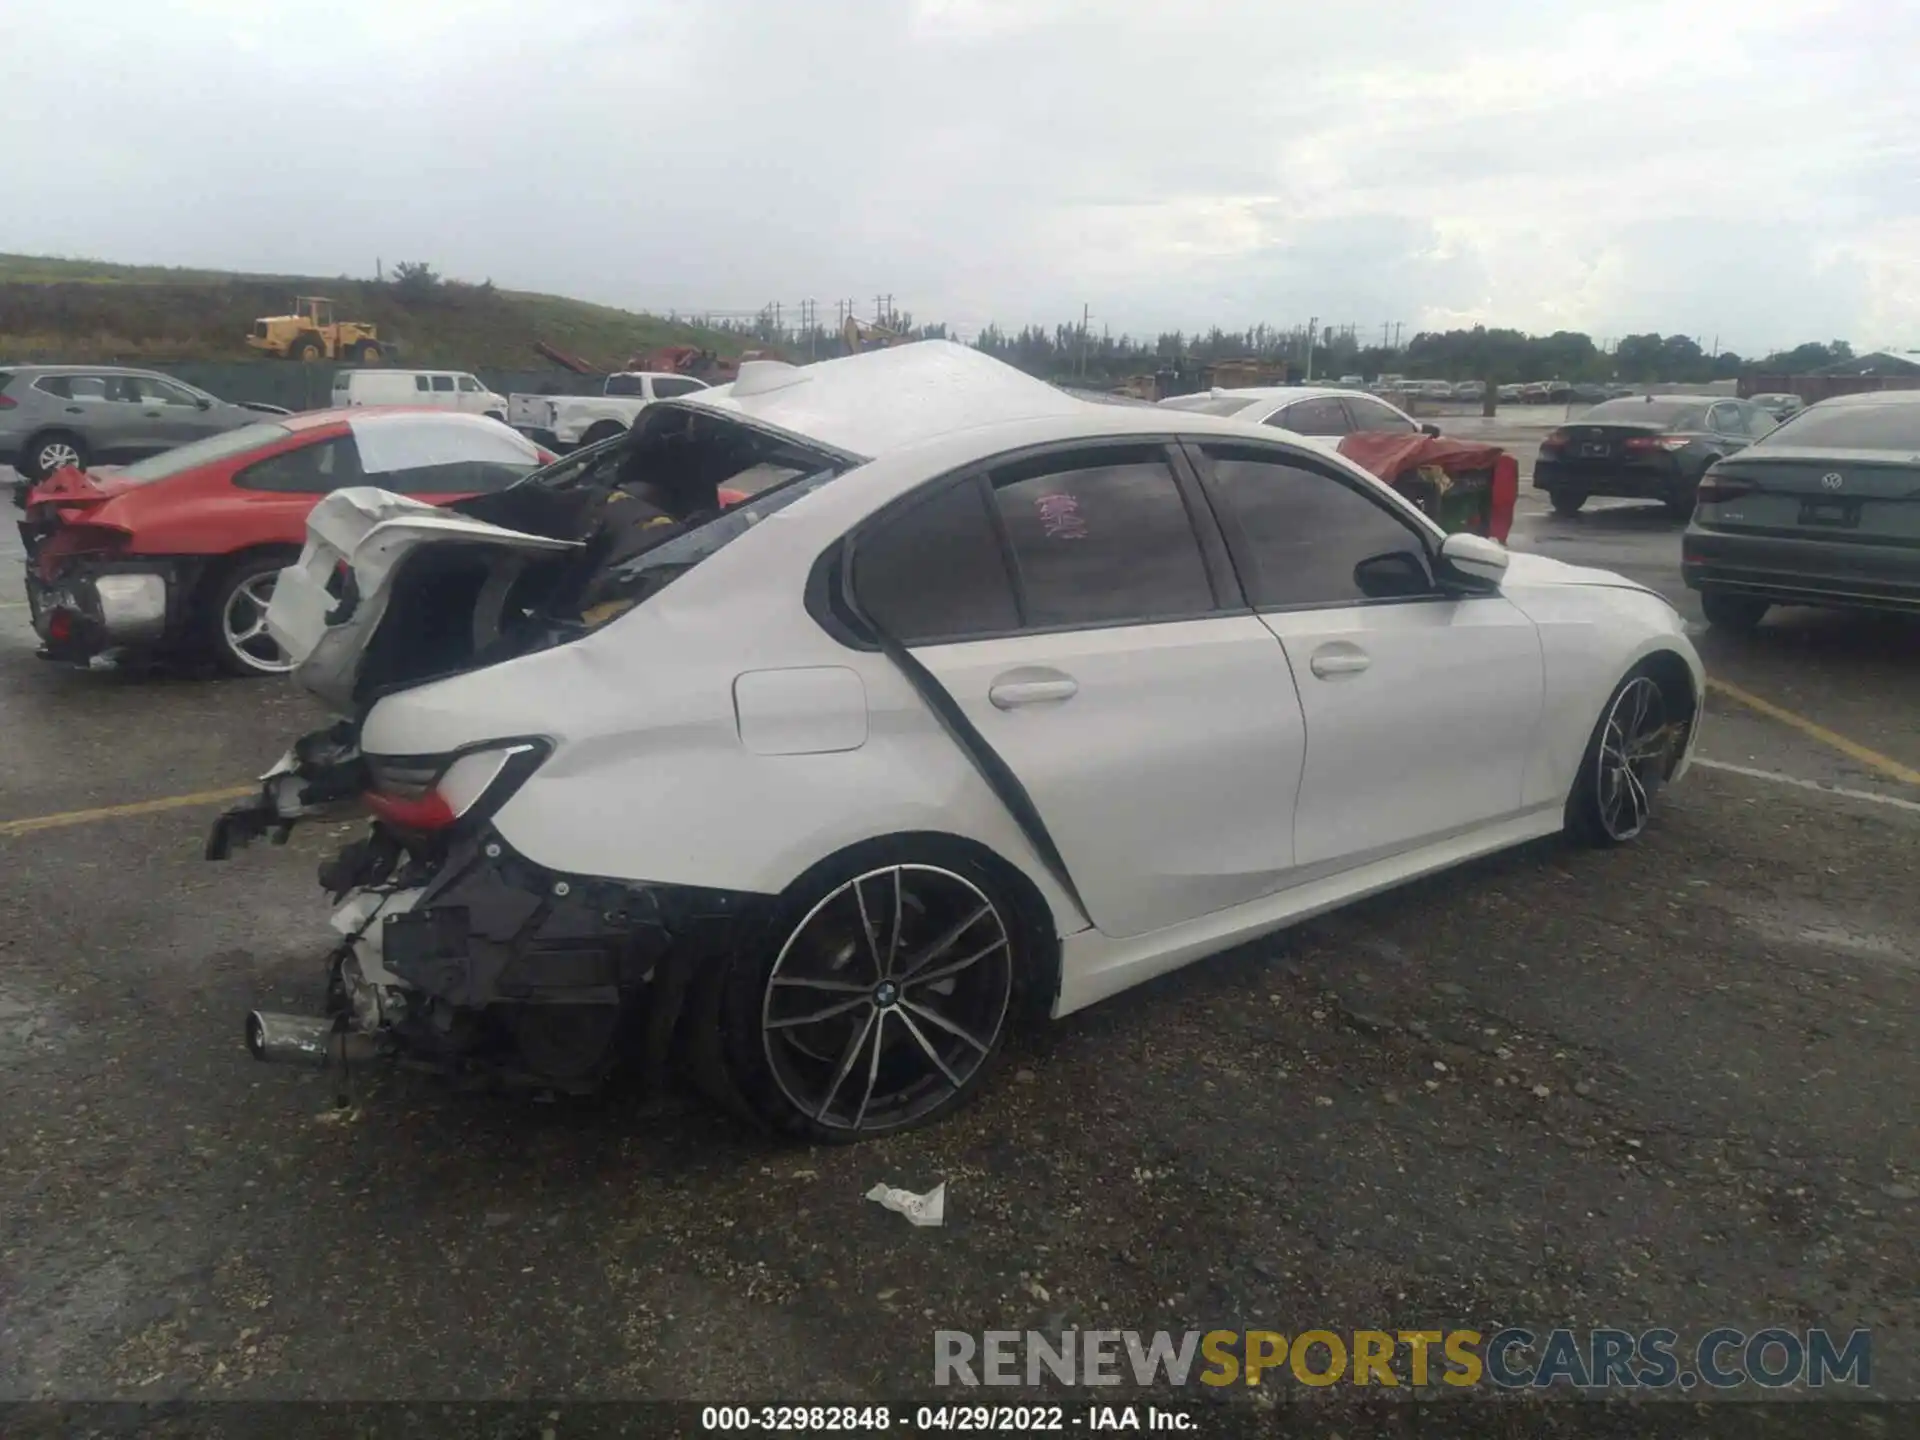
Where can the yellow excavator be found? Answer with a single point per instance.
(311, 333)
(857, 335)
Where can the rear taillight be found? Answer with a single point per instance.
(6, 403)
(1718, 489)
(60, 627)
(435, 792)
(1646, 444)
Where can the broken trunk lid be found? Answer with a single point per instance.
(327, 606)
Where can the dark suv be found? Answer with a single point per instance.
(52, 416)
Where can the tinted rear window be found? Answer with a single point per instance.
(1852, 427)
(202, 452)
(1674, 414)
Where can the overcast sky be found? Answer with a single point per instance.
(1742, 168)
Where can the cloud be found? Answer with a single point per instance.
(1745, 167)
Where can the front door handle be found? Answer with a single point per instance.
(1339, 660)
(1011, 693)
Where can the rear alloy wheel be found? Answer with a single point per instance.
(1741, 613)
(605, 430)
(241, 643)
(884, 1005)
(54, 452)
(1566, 502)
(1626, 763)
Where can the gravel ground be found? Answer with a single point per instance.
(1666, 1085)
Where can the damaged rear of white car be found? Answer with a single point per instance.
(596, 764)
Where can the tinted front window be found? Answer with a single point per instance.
(1102, 540)
(1305, 532)
(309, 470)
(469, 385)
(936, 571)
(1852, 427)
(1673, 414)
(1314, 417)
(203, 452)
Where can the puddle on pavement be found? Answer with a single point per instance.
(1821, 930)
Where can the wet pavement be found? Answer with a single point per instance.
(1666, 1085)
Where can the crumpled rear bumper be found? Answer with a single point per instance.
(142, 602)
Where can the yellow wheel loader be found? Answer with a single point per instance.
(311, 333)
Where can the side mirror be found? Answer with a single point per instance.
(1472, 562)
(204, 403)
(1430, 430)
(1397, 574)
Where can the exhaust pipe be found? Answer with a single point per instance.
(306, 1040)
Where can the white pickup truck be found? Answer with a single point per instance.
(564, 422)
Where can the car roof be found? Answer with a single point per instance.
(1869, 397)
(313, 419)
(879, 401)
(1279, 392)
(81, 370)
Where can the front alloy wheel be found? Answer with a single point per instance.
(887, 1000)
(1627, 761)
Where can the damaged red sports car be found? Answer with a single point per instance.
(177, 555)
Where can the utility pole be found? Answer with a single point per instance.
(779, 334)
(1385, 325)
(1313, 324)
(1086, 315)
(1396, 333)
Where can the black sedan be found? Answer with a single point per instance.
(1652, 447)
(1823, 511)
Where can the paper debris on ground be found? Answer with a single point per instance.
(927, 1209)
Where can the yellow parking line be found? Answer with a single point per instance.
(114, 812)
(1852, 749)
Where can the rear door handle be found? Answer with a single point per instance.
(1339, 659)
(1011, 693)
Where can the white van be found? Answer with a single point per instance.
(441, 389)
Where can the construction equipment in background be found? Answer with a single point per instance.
(563, 359)
(311, 333)
(858, 335)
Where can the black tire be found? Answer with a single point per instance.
(779, 1070)
(1595, 812)
(213, 631)
(1566, 502)
(1739, 613)
(366, 353)
(307, 349)
(602, 430)
(42, 454)
(496, 415)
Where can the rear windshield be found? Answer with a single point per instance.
(1674, 414)
(1851, 427)
(1212, 404)
(202, 452)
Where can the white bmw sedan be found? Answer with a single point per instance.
(989, 704)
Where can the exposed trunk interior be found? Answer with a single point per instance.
(643, 510)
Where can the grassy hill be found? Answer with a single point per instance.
(79, 310)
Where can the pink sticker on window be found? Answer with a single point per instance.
(1060, 517)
